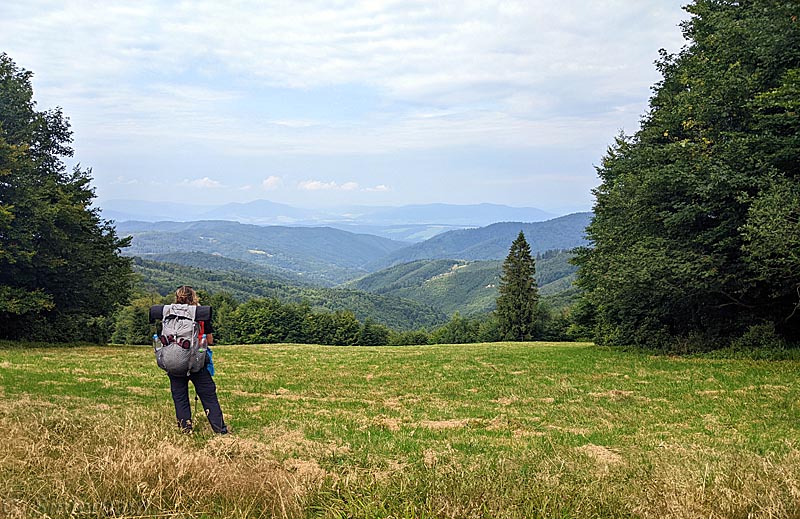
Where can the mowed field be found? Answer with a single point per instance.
(492, 430)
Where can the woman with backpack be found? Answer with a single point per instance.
(201, 378)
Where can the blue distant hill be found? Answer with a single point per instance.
(493, 241)
(410, 223)
(328, 256)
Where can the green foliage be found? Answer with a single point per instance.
(519, 296)
(270, 321)
(406, 275)
(416, 337)
(346, 330)
(695, 230)
(549, 324)
(469, 288)
(448, 285)
(224, 305)
(459, 330)
(132, 321)
(772, 240)
(265, 321)
(582, 321)
(372, 334)
(759, 337)
(214, 262)
(397, 313)
(394, 312)
(61, 274)
(489, 329)
(164, 278)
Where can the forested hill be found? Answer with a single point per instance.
(326, 256)
(322, 255)
(215, 262)
(395, 312)
(467, 287)
(492, 242)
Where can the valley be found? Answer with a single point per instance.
(401, 285)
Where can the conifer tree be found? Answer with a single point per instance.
(519, 295)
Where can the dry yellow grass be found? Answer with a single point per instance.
(97, 465)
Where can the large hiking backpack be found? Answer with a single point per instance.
(180, 351)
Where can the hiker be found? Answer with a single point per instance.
(200, 375)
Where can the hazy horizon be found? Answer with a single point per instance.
(100, 202)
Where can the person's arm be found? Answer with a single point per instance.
(208, 329)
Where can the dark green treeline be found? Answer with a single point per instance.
(61, 274)
(696, 234)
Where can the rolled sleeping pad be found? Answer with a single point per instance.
(203, 313)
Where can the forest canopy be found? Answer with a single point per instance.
(695, 234)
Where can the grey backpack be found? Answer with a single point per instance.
(180, 351)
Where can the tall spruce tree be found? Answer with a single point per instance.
(61, 272)
(519, 295)
(695, 231)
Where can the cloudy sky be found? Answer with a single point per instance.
(320, 103)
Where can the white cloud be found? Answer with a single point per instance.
(468, 50)
(378, 189)
(121, 180)
(203, 183)
(249, 79)
(318, 185)
(271, 183)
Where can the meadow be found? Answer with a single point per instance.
(506, 430)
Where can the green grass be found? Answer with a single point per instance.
(492, 430)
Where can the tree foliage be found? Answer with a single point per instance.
(61, 273)
(695, 229)
(519, 295)
(132, 321)
(390, 311)
(269, 321)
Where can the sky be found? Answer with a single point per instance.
(329, 103)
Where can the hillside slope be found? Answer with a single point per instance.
(398, 313)
(202, 260)
(492, 242)
(467, 287)
(319, 254)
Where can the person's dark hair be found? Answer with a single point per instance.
(186, 295)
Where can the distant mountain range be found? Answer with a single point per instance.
(412, 223)
(321, 255)
(462, 286)
(327, 256)
(492, 242)
(392, 282)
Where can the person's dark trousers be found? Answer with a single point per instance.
(206, 390)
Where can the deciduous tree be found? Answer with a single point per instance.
(61, 272)
(695, 228)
